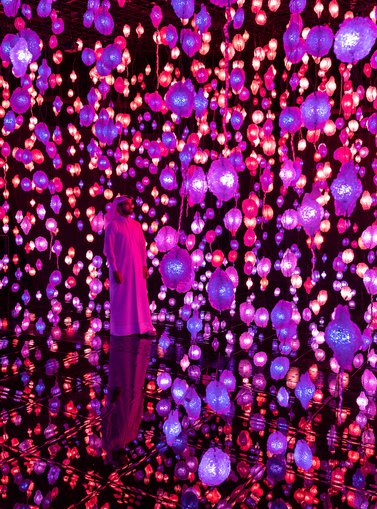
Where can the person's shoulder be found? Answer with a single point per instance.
(113, 225)
(134, 221)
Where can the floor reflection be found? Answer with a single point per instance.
(53, 392)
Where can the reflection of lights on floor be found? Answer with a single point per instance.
(51, 400)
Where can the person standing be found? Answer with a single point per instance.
(127, 259)
(130, 326)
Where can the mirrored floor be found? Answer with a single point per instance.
(52, 393)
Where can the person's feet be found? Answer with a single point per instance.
(149, 334)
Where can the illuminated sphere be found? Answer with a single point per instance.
(246, 340)
(88, 56)
(156, 15)
(95, 286)
(26, 184)
(220, 290)
(172, 427)
(239, 18)
(155, 102)
(51, 224)
(9, 41)
(10, 121)
(33, 42)
(310, 215)
(168, 179)
(369, 237)
(236, 120)
(283, 397)
(303, 455)
(102, 69)
(180, 443)
(346, 189)
(189, 500)
(247, 312)
(179, 390)
(166, 239)
(41, 132)
(222, 179)
(20, 57)
(296, 54)
(105, 131)
(180, 98)
(217, 397)
(319, 41)
(203, 20)
(164, 380)
(192, 403)
(297, 6)
(276, 468)
(261, 317)
(370, 281)
(277, 443)
(369, 381)
(197, 258)
(291, 38)
(288, 173)
(237, 79)
(40, 179)
(103, 21)
(11, 7)
(41, 244)
(183, 8)
(196, 185)
(112, 56)
(281, 314)
(55, 278)
(163, 407)
(316, 110)
(20, 101)
(250, 208)
(290, 119)
(343, 336)
(171, 36)
(354, 39)
(288, 263)
(194, 326)
(200, 103)
(87, 114)
(233, 220)
(289, 219)
(304, 390)
(228, 380)
(279, 368)
(190, 41)
(168, 139)
(177, 270)
(372, 123)
(214, 467)
(44, 8)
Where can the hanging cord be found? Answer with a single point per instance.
(183, 195)
(226, 58)
(157, 58)
(340, 388)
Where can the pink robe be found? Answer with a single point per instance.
(122, 415)
(125, 251)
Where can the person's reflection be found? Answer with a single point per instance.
(123, 411)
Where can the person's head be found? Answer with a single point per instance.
(126, 206)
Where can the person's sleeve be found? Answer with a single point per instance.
(109, 246)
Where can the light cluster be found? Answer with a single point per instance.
(253, 164)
